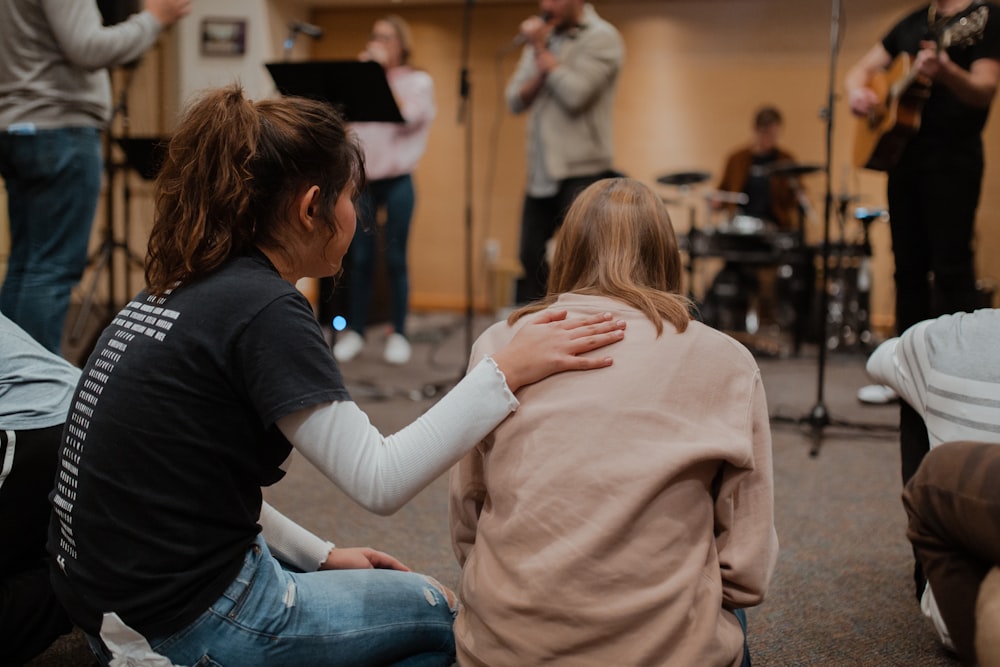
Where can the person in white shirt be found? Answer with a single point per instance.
(948, 371)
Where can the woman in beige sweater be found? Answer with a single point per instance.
(623, 516)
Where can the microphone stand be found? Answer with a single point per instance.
(431, 390)
(819, 417)
(465, 117)
(294, 29)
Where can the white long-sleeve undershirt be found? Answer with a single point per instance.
(381, 473)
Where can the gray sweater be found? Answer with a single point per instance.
(570, 127)
(36, 386)
(53, 55)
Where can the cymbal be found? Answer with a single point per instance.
(684, 178)
(794, 169)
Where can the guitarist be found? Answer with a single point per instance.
(933, 190)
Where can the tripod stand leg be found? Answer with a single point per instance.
(102, 261)
(819, 419)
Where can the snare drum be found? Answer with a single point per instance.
(744, 224)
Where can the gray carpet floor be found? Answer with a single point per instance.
(842, 594)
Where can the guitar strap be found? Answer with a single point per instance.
(935, 23)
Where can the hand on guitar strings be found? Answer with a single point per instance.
(862, 100)
(930, 60)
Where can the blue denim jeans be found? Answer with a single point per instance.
(275, 617)
(741, 616)
(397, 196)
(53, 180)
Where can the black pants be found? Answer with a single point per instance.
(30, 617)
(933, 195)
(540, 219)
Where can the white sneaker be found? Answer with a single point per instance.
(348, 346)
(397, 349)
(877, 394)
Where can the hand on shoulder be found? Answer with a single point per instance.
(550, 344)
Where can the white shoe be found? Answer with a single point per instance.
(877, 394)
(348, 346)
(397, 349)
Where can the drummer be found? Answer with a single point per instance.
(770, 197)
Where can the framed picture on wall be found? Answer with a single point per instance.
(223, 37)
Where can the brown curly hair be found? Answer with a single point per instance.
(232, 171)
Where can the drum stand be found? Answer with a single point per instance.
(819, 418)
(850, 288)
(685, 181)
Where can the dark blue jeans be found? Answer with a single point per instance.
(398, 198)
(53, 180)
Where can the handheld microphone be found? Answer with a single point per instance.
(522, 39)
(308, 29)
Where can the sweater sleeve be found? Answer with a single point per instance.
(90, 45)
(467, 496)
(416, 100)
(382, 473)
(901, 363)
(525, 71)
(744, 514)
(574, 84)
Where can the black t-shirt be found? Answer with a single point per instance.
(976, 34)
(171, 436)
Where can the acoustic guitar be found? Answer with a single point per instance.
(882, 134)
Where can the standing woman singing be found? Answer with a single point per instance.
(202, 386)
(392, 151)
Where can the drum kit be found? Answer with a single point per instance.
(747, 244)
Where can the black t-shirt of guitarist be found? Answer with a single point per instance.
(968, 36)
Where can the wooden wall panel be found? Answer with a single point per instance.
(694, 73)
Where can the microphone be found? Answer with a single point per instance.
(308, 29)
(522, 39)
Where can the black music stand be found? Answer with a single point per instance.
(144, 154)
(359, 89)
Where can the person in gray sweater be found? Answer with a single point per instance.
(36, 388)
(566, 81)
(55, 98)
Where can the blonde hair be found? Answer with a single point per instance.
(617, 241)
(402, 29)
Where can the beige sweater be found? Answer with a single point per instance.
(619, 513)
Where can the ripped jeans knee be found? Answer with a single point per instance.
(438, 593)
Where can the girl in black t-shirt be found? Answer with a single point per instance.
(202, 385)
